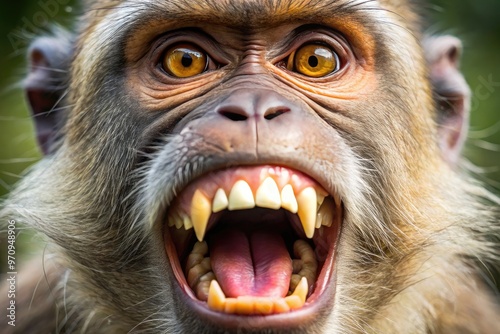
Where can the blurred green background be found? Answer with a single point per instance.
(476, 22)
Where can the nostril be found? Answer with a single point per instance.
(234, 114)
(275, 112)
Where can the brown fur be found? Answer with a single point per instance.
(417, 234)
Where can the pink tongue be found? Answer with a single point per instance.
(254, 264)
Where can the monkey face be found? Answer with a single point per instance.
(253, 160)
(249, 165)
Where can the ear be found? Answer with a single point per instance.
(48, 59)
(451, 94)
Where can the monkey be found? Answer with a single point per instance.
(253, 166)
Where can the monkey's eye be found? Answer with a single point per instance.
(184, 61)
(314, 60)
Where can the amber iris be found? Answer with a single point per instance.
(313, 60)
(184, 61)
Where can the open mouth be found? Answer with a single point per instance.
(256, 240)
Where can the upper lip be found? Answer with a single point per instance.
(303, 315)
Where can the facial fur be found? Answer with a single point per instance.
(414, 229)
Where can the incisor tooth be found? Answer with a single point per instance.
(220, 201)
(241, 197)
(201, 209)
(263, 306)
(216, 298)
(245, 305)
(268, 195)
(307, 210)
(231, 305)
(288, 200)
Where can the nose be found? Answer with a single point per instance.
(243, 105)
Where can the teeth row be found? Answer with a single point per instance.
(310, 206)
(250, 305)
(306, 266)
(199, 270)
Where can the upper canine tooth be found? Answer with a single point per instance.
(201, 209)
(241, 196)
(307, 210)
(220, 201)
(268, 195)
(288, 200)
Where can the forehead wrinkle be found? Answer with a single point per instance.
(239, 14)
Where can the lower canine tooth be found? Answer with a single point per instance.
(268, 195)
(307, 202)
(216, 298)
(298, 297)
(293, 302)
(301, 290)
(241, 197)
(201, 209)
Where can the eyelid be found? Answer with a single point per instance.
(199, 39)
(319, 35)
(323, 36)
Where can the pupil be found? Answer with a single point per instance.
(186, 60)
(313, 61)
